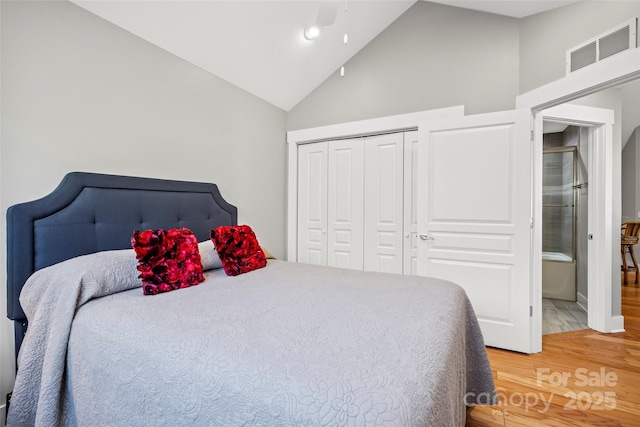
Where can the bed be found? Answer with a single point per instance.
(284, 345)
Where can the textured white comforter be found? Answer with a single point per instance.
(286, 345)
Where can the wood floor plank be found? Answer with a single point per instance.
(615, 339)
(581, 378)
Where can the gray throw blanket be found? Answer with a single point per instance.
(50, 299)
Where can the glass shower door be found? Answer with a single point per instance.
(558, 204)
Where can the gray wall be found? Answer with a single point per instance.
(79, 93)
(631, 182)
(432, 56)
(631, 177)
(438, 56)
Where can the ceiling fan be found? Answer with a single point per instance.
(327, 13)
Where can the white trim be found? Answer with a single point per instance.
(292, 204)
(397, 123)
(588, 115)
(600, 123)
(613, 71)
(617, 324)
(600, 219)
(582, 302)
(600, 168)
(388, 124)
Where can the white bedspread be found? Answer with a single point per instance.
(286, 345)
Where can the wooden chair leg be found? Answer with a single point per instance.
(635, 262)
(625, 268)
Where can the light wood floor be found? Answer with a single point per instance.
(581, 378)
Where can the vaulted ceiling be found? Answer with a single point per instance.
(259, 45)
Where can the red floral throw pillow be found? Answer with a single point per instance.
(238, 249)
(167, 259)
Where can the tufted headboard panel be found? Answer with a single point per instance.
(90, 212)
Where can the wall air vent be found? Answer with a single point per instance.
(619, 39)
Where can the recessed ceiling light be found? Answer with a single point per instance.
(310, 33)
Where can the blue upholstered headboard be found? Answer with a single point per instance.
(90, 212)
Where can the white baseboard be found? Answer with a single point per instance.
(2, 414)
(583, 302)
(617, 324)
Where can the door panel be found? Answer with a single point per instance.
(474, 211)
(312, 204)
(345, 204)
(383, 203)
(461, 157)
(410, 231)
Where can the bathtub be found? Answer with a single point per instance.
(558, 276)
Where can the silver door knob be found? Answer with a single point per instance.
(425, 237)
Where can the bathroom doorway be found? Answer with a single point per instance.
(564, 228)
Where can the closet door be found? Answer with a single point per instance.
(410, 246)
(312, 203)
(383, 203)
(345, 203)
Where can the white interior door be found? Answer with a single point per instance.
(383, 203)
(345, 204)
(474, 217)
(312, 204)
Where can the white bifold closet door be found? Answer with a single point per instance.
(356, 203)
(330, 203)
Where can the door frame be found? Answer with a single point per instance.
(614, 71)
(390, 124)
(599, 122)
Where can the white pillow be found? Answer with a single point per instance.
(209, 256)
